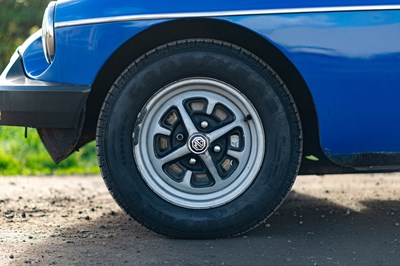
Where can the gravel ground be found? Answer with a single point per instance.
(326, 220)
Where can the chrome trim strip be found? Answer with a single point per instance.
(224, 14)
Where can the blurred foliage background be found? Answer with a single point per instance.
(18, 20)
(20, 156)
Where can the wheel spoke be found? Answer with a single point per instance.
(187, 120)
(186, 179)
(206, 157)
(161, 130)
(234, 154)
(182, 151)
(216, 134)
(210, 106)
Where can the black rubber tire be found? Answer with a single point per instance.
(199, 58)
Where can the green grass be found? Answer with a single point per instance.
(20, 156)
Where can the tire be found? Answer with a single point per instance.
(199, 139)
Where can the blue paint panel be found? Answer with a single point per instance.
(81, 52)
(350, 61)
(34, 59)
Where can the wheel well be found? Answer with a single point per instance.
(213, 29)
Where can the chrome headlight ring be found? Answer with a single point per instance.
(48, 36)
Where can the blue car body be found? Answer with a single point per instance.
(344, 57)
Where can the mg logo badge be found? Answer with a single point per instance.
(198, 144)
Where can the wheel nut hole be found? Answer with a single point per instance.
(180, 137)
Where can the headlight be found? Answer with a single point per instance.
(48, 38)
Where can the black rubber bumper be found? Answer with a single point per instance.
(38, 104)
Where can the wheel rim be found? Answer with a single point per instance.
(199, 143)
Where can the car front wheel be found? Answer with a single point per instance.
(199, 139)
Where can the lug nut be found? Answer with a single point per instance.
(217, 148)
(204, 124)
(192, 161)
(179, 137)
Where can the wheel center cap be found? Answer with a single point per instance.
(198, 143)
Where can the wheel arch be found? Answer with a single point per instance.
(219, 30)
